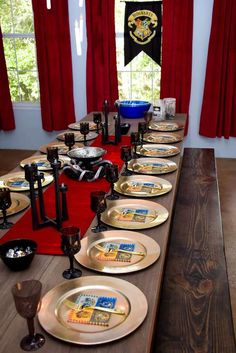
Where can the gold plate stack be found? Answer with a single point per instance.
(92, 310)
(92, 126)
(155, 150)
(116, 251)
(42, 162)
(19, 202)
(78, 136)
(134, 214)
(152, 166)
(17, 182)
(142, 186)
(160, 137)
(62, 148)
(165, 126)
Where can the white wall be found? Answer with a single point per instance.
(201, 31)
(29, 134)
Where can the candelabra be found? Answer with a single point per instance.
(34, 177)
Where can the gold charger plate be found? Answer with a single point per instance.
(142, 186)
(92, 125)
(61, 321)
(152, 166)
(16, 181)
(42, 162)
(118, 262)
(160, 137)
(165, 126)
(78, 136)
(134, 214)
(155, 150)
(62, 148)
(19, 202)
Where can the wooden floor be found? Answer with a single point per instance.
(226, 169)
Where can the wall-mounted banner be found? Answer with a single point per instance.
(143, 29)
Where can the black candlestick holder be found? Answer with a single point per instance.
(35, 178)
(105, 134)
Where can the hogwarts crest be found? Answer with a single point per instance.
(143, 24)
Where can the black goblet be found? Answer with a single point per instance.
(69, 139)
(135, 139)
(27, 295)
(52, 154)
(97, 119)
(112, 175)
(147, 117)
(5, 203)
(70, 245)
(126, 156)
(142, 128)
(84, 130)
(98, 205)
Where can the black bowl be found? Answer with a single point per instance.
(18, 263)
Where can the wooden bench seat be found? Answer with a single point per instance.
(195, 313)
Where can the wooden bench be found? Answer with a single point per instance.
(195, 313)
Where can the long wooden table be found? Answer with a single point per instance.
(48, 270)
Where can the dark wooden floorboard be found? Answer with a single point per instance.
(195, 313)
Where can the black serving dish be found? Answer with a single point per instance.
(18, 263)
(86, 154)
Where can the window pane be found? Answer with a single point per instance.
(25, 49)
(119, 16)
(22, 16)
(10, 54)
(28, 82)
(124, 85)
(142, 86)
(13, 83)
(5, 16)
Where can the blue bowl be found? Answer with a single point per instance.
(133, 109)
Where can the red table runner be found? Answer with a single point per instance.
(78, 200)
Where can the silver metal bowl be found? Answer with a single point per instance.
(86, 154)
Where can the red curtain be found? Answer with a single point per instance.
(6, 111)
(219, 99)
(101, 54)
(176, 69)
(52, 35)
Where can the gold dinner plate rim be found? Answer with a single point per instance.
(136, 299)
(91, 136)
(152, 251)
(172, 165)
(22, 203)
(145, 178)
(180, 126)
(162, 214)
(157, 145)
(92, 126)
(48, 178)
(174, 137)
(34, 159)
(43, 148)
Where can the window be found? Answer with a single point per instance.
(140, 79)
(17, 25)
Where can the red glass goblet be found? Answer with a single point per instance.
(5, 203)
(27, 295)
(70, 245)
(112, 176)
(98, 205)
(126, 156)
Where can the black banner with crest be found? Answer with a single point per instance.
(143, 30)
